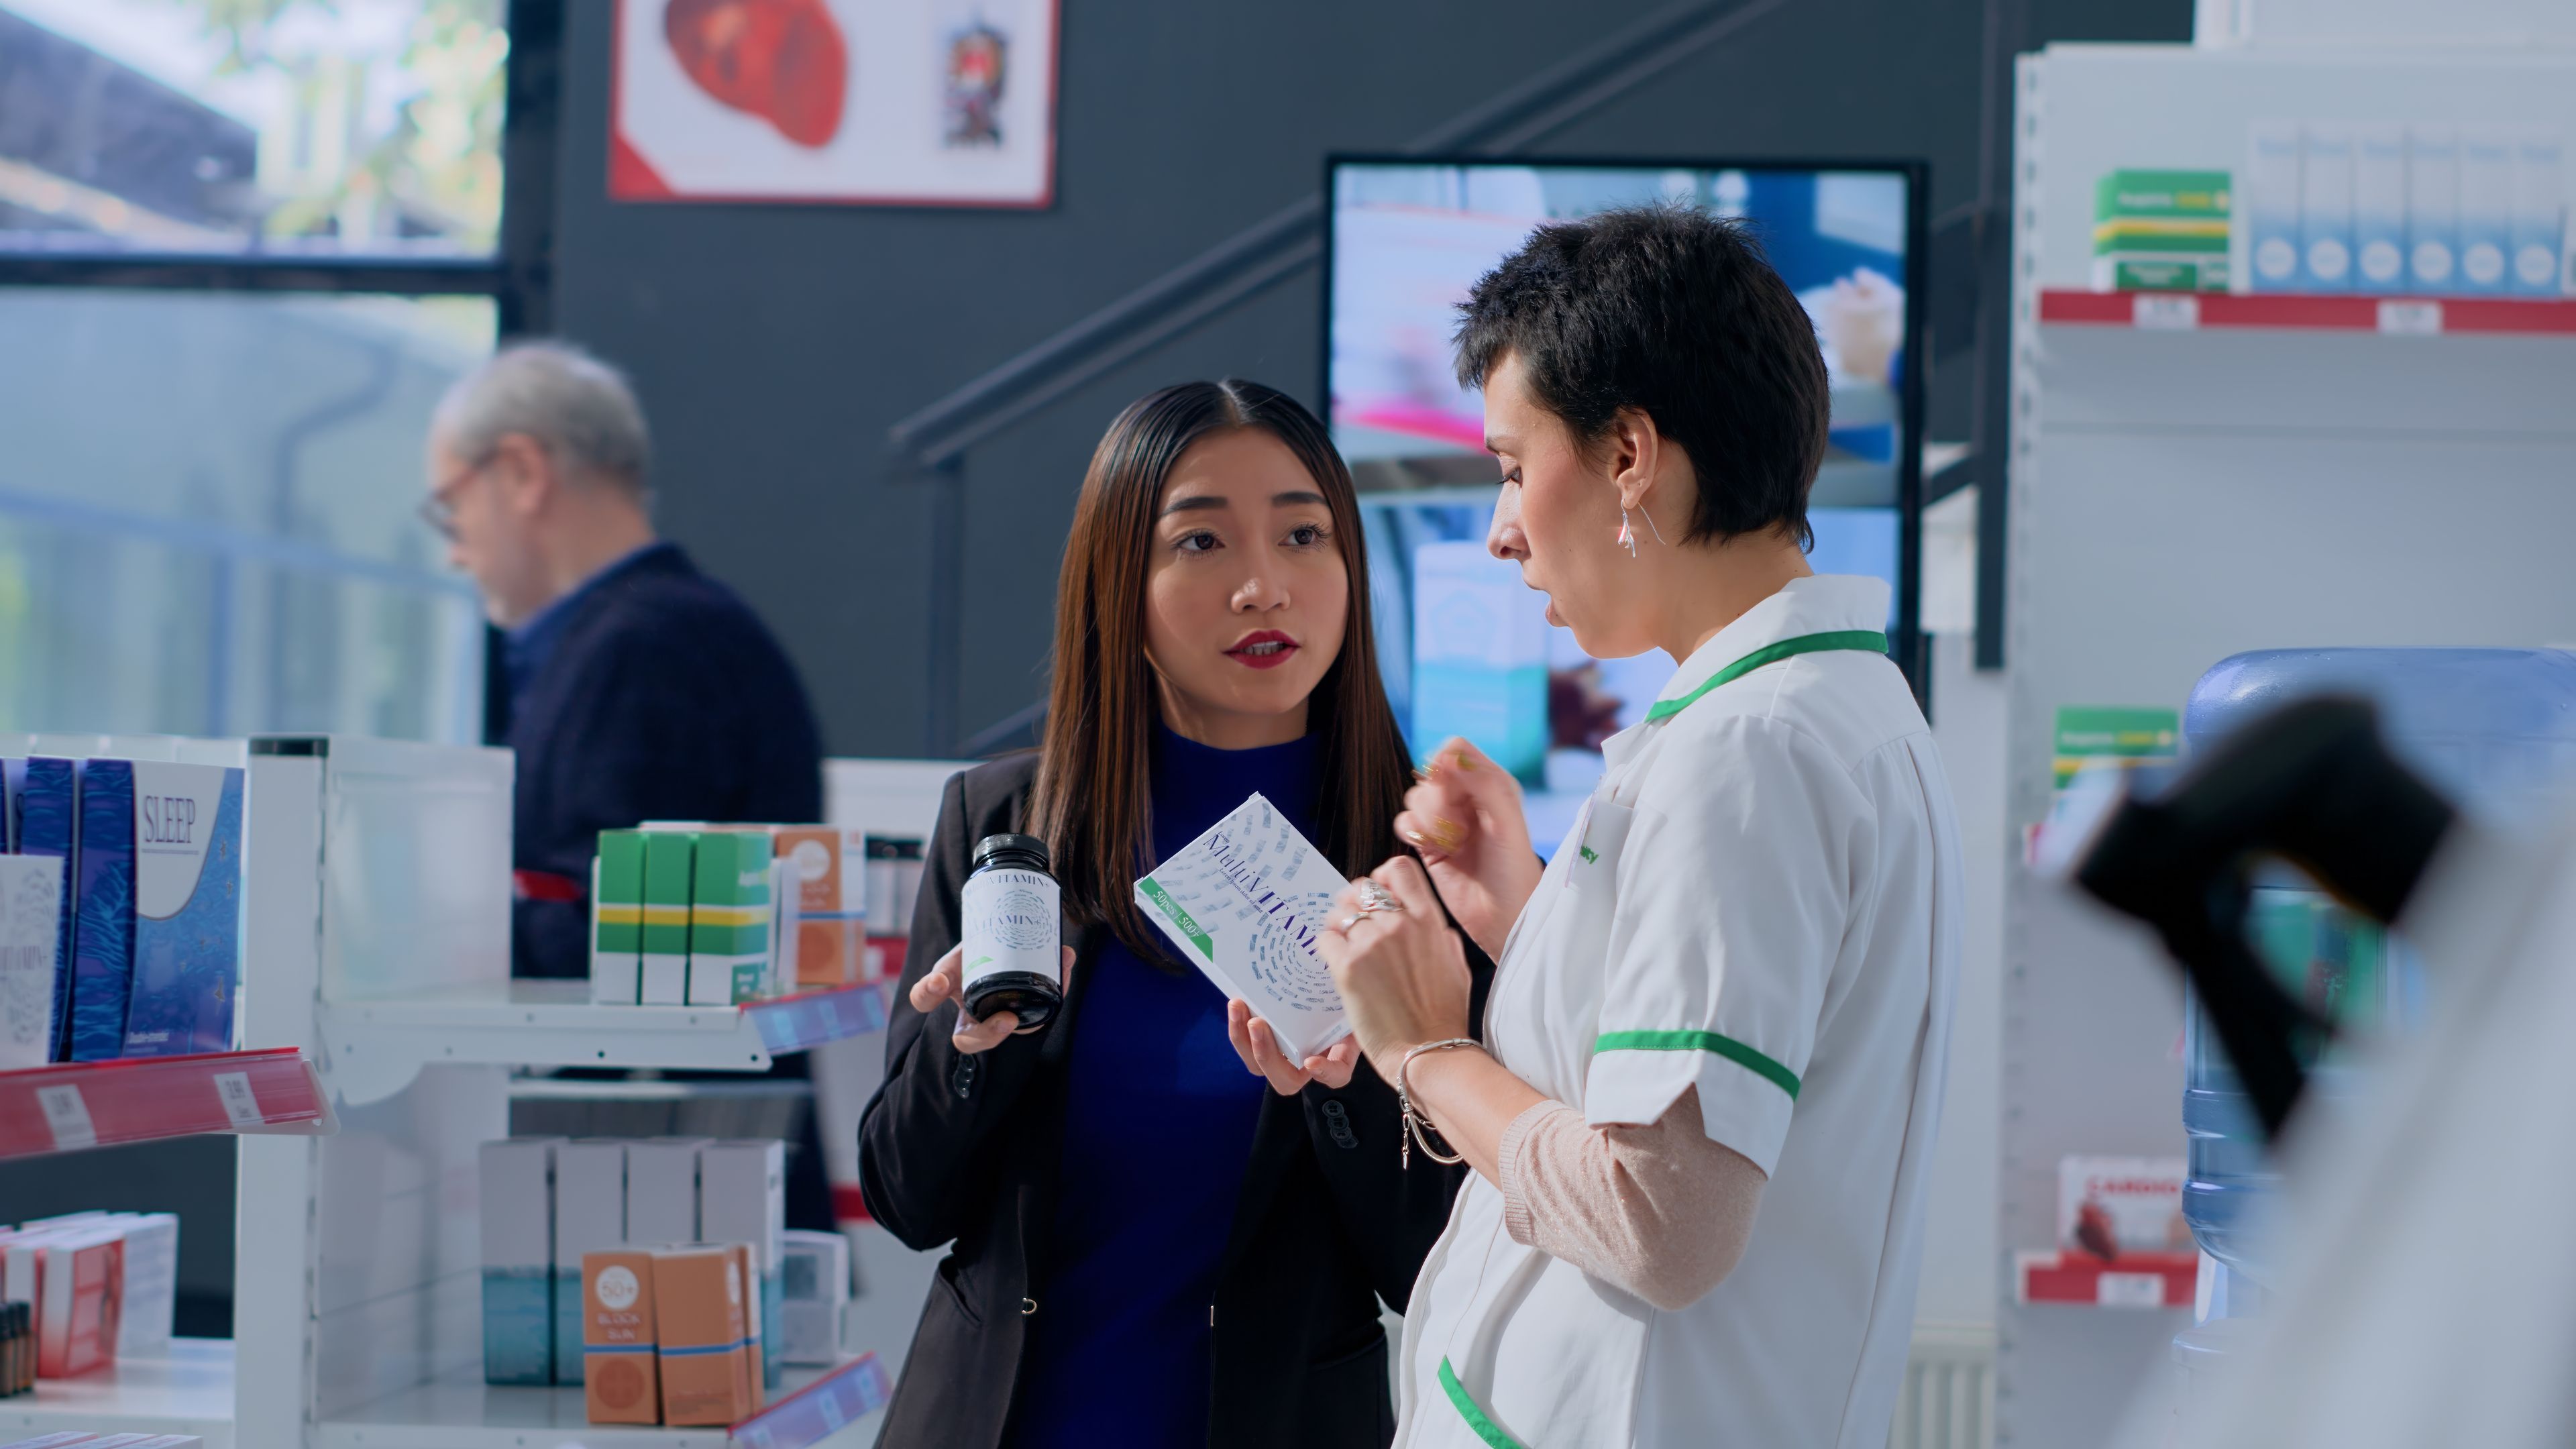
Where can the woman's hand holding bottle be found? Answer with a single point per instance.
(946, 982)
(1464, 816)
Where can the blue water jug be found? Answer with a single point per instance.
(2492, 729)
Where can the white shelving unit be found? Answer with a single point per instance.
(2193, 476)
(188, 1392)
(381, 1019)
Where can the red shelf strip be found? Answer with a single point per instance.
(72, 1105)
(2186, 311)
(2132, 1280)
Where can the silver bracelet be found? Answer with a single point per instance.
(1415, 1122)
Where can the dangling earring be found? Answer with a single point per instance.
(1627, 536)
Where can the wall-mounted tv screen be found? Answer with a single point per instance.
(1465, 647)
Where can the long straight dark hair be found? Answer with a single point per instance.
(1093, 804)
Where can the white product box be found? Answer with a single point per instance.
(814, 1284)
(590, 1215)
(2539, 206)
(2271, 200)
(31, 893)
(517, 1191)
(662, 1191)
(2379, 208)
(2432, 209)
(2325, 208)
(742, 1198)
(2486, 211)
(146, 1317)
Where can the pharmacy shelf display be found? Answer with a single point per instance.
(2195, 475)
(73, 1105)
(376, 1048)
(377, 1006)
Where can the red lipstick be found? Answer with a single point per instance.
(1262, 649)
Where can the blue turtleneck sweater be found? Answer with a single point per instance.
(1158, 1122)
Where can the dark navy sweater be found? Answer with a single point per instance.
(1158, 1122)
(656, 694)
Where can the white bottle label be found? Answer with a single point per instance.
(1013, 923)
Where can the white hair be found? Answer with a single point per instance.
(579, 408)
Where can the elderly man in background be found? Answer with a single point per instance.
(636, 687)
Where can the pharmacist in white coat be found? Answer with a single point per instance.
(1701, 1120)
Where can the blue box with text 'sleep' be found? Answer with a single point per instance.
(187, 909)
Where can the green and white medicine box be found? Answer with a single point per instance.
(729, 918)
(669, 874)
(617, 918)
(2161, 231)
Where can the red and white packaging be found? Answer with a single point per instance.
(2112, 1207)
(81, 1288)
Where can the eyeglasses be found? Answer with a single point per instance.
(438, 510)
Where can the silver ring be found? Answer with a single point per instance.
(1375, 897)
(1349, 921)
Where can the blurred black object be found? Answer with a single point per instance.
(2312, 783)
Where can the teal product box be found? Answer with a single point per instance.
(2325, 208)
(742, 1198)
(617, 918)
(2379, 208)
(517, 1201)
(44, 806)
(590, 1217)
(187, 909)
(2486, 212)
(2432, 209)
(103, 942)
(2539, 213)
(729, 917)
(662, 1191)
(2270, 199)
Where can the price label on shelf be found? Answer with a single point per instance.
(2404, 318)
(2164, 311)
(829, 1401)
(2130, 1290)
(239, 1103)
(67, 1116)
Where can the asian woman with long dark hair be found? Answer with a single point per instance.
(1152, 1247)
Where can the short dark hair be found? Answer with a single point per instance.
(1674, 312)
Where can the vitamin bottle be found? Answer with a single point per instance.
(1014, 931)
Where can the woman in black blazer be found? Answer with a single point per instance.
(1153, 1248)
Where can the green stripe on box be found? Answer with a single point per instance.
(1484, 1428)
(1700, 1041)
(1153, 890)
(707, 939)
(1867, 641)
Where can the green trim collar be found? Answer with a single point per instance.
(1700, 1041)
(1485, 1429)
(1868, 641)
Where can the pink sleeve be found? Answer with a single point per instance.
(1660, 1211)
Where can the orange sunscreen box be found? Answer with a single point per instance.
(828, 875)
(620, 1381)
(699, 1306)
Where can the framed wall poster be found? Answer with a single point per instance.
(856, 102)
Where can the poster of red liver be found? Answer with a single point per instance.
(857, 102)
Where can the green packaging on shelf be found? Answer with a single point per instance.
(729, 917)
(2161, 231)
(617, 918)
(669, 864)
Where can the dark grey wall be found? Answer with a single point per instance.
(775, 345)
